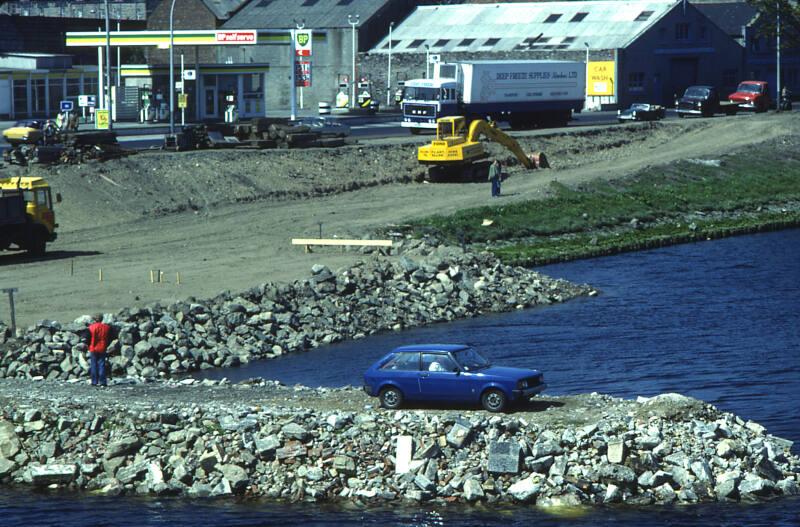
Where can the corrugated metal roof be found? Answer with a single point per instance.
(223, 9)
(603, 24)
(316, 14)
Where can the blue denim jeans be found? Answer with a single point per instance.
(97, 368)
(496, 187)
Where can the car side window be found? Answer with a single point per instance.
(403, 362)
(437, 362)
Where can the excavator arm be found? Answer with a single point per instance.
(480, 127)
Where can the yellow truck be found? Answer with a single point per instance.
(27, 220)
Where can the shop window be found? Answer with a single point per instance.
(73, 88)
(682, 31)
(38, 98)
(636, 81)
(55, 95)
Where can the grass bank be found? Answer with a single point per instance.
(753, 190)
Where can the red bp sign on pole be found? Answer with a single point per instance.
(302, 42)
(302, 73)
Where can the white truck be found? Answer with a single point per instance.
(526, 93)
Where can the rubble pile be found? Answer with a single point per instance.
(660, 450)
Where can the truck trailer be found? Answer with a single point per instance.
(525, 93)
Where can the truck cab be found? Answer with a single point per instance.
(752, 95)
(27, 219)
(426, 100)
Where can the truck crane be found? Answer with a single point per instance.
(455, 155)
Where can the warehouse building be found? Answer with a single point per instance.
(639, 51)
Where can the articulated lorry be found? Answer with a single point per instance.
(525, 93)
(27, 220)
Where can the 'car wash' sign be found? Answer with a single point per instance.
(236, 37)
(600, 79)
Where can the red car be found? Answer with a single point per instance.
(752, 95)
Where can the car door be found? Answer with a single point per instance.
(404, 372)
(442, 383)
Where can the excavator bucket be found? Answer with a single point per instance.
(539, 160)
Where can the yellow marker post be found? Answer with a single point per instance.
(101, 119)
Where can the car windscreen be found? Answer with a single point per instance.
(749, 87)
(640, 106)
(696, 91)
(470, 359)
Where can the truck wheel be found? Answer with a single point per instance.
(37, 245)
(493, 400)
(391, 398)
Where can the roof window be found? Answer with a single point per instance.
(416, 43)
(491, 41)
(264, 3)
(441, 42)
(552, 18)
(567, 40)
(308, 3)
(578, 17)
(644, 15)
(344, 2)
(466, 42)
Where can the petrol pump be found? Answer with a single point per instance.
(231, 109)
(145, 103)
(342, 99)
(398, 94)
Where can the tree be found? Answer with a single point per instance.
(789, 16)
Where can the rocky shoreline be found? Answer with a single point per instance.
(428, 284)
(259, 439)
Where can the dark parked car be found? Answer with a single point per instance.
(703, 101)
(451, 373)
(325, 126)
(641, 112)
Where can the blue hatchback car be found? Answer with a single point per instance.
(451, 373)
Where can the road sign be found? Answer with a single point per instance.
(183, 100)
(302, 42)
(189, 75)
(66, 106)
(101, 119)
(178, 85)
(87, 100)
(434, 58)
(303, 73)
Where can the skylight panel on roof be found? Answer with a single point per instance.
(644, 15)
(466, 42)
(578, 17)
(441, 42)
(416, 43)
(344, 2)
(552, 18)
(491, 41)
(264, 3)
(307, 3)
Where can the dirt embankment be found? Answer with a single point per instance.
(223, 219)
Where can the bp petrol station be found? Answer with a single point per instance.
(202, 91)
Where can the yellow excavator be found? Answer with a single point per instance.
(457, 155)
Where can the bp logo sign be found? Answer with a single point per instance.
(302, 42)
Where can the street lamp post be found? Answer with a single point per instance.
(107, 95)
(586, 87)
(778, 58)
(353, 21)
(389, 70)
(171, 66)
(427, 61)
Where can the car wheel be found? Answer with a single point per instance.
(493, 400)
(391, 398)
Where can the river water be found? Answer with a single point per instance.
(715, 320)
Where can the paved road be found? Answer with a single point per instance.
(137, 137)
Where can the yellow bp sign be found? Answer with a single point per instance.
(183, 100)
(101, 119)
(600, 79)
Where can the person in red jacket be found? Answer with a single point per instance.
(99, 338)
